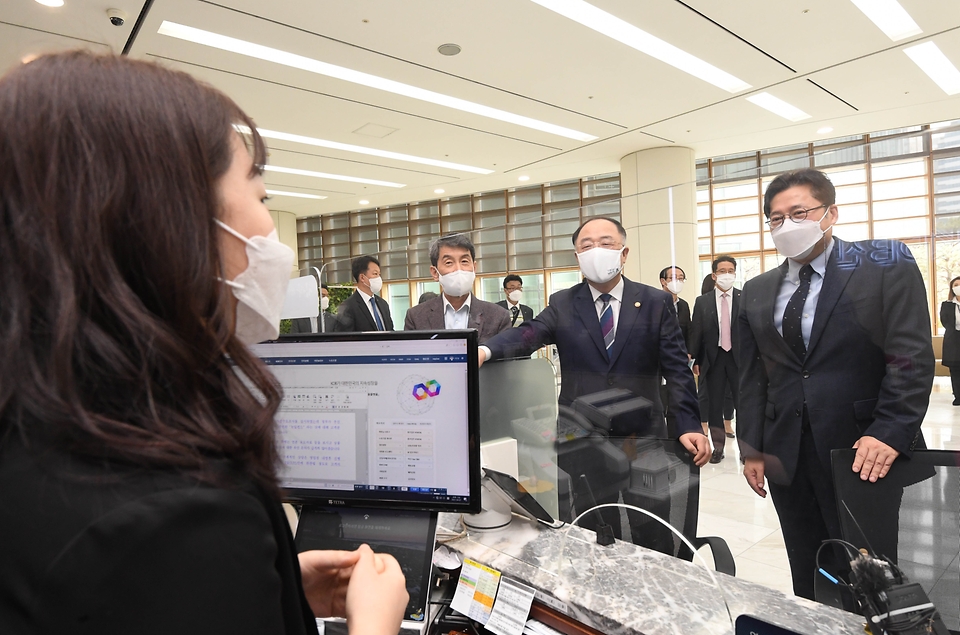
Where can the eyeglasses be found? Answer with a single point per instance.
(797, 216)
(603, 244)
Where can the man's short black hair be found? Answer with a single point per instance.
(620, 229)
(452, 241)
(724, 258)
(323, 285)
(361, 264)
(512, 277)
(820, 187)
(663, 272)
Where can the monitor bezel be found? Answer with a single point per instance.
(387, 500)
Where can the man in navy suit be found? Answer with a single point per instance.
(365, 310)
(611, 332)
(713, 345)
(835, 352)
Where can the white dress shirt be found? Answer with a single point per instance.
(456, 318)
(366, 303)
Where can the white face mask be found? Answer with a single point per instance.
(457, 283)
(725, 280)
(515, 296)
(797, 240)
(375, 285)
(261, 287)
(675, 286)
(600, 265)
(956, 290)
(324, 304)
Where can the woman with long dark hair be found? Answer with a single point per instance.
(950, 318)
(138, 489)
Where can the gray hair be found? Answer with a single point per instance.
(451, 240)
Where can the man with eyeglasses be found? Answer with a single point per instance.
(613, 333)
(835, 352)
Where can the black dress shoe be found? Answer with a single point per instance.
(730, 435)
(717, 456)
(956, 401)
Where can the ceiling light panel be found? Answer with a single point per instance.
(935, 64)
(346, 147)
(778, 107)
(334, 177)
(613, 27)
(295, 194)
(890, 17)
(277, 56)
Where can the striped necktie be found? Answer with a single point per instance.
(606, 322)
(376, 314)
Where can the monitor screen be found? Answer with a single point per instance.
(379, 419)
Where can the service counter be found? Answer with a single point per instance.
(626, 589)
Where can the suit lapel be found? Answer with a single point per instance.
(475, 319)
(364, 320)
(436, 314)
(630, 305)
(837, 274)
(768, 293)
(586, 308)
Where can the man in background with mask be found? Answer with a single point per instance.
(365, 310)
(513, 289)
(311, 324)
(671, 281)
(611, 332)
(452, 258)
(835, 352)
(713, 345)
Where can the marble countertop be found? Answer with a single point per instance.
(625, 589)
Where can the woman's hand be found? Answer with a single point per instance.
(377, 594)
(326, 576)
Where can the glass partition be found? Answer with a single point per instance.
(902, 185)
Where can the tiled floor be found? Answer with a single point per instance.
(749, 524)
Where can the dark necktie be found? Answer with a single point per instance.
(792, 315)
(606, 321)
(516, 312)
(376, 313)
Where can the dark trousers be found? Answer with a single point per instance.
(807, 508)
(955, 381)
(721, 377)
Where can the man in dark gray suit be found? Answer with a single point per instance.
(713, 345)
(452, 258)
(513, 289)
(835, 352)
(365, 310)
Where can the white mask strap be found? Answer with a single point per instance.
(231, 230)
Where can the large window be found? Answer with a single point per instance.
(902, 184)
(524, 230)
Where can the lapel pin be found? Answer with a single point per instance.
(636, 304)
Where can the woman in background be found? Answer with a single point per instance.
(138, 489)
(950, 318)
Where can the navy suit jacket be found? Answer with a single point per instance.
(868, 369)
(647, 342)
(705, 329)
(354, 315)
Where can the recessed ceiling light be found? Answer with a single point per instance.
(292, 60)
(346, 147)
(335, 177)
(438, 191)
(364, 202)
(449, 49)
(523, 178)
(51, 3)
(824, 130)
(624, 32)
(890, 17)
(935, 64)
(940, 125)
(778, 107)
(294, 194)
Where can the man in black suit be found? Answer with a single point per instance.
(671, 281)
(611, 332)
(713, 346)
(365, 310)
(835, 352)
(513, 289)
(311, 325)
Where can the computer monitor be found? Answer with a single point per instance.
(382, 419)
